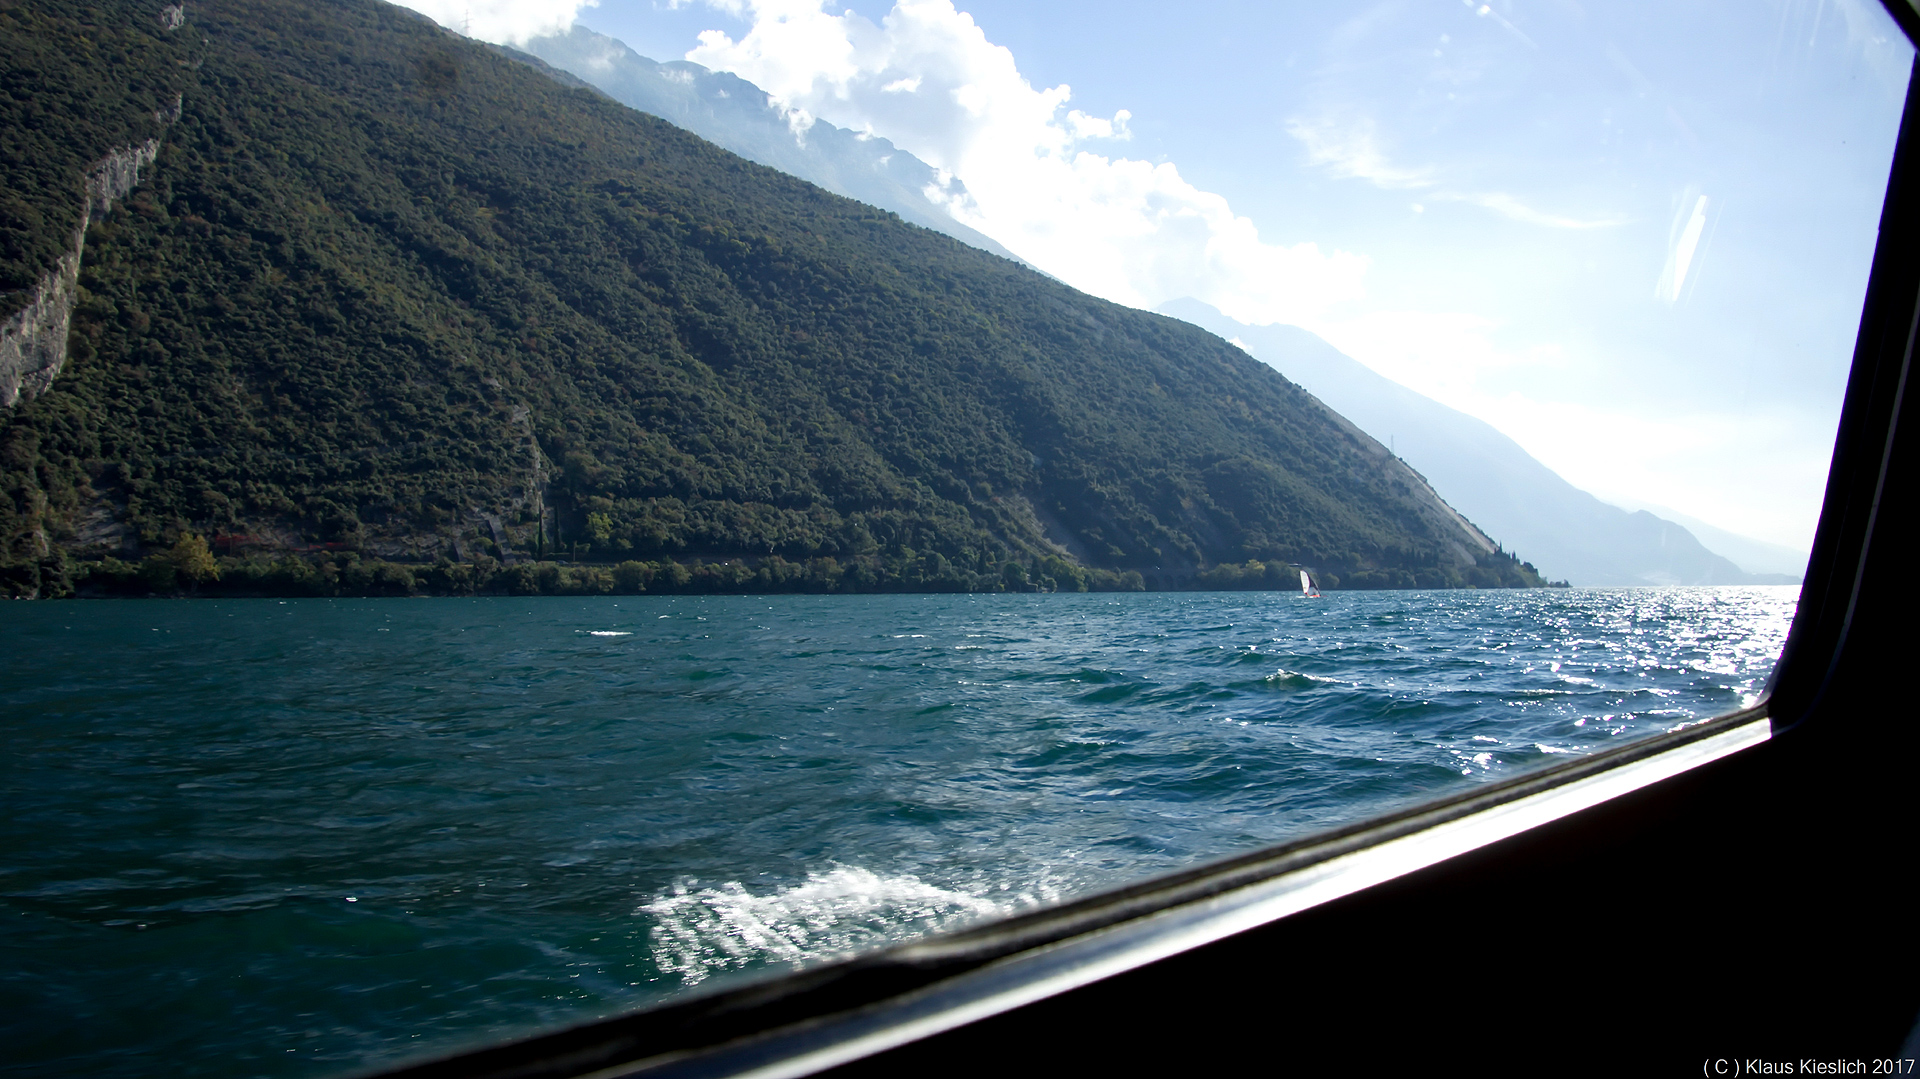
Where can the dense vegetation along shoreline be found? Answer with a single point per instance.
(387, 297)
(190, 568)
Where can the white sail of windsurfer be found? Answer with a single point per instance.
(1307, 586)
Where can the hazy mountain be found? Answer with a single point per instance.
(731, 112)
(350, 284)
(1564, 531)
(1755, 556)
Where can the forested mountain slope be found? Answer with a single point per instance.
(386, 293)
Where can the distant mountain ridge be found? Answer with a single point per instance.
(731, 112)
(1564, 531)
(1755, 556)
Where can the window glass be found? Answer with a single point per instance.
(1629, 241)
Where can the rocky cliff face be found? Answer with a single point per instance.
(33, 343)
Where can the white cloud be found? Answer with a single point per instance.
(1348, 148)
(504, 22)
(1033, 173)
(1510, 207)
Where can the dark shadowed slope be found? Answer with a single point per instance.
(386, 291)
(1525, 505)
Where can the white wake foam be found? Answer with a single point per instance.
(703, 931)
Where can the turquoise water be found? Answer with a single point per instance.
(306, 837)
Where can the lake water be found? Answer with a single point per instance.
(306, 837)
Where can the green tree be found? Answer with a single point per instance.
(192, 561)
(1014, 576)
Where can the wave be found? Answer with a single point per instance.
(699, 932)
(1286, 679)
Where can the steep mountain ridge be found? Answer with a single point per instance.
(386, 293)
(733, 113)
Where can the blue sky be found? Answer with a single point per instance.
(1632, 236)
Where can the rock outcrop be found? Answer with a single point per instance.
(33, 343)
